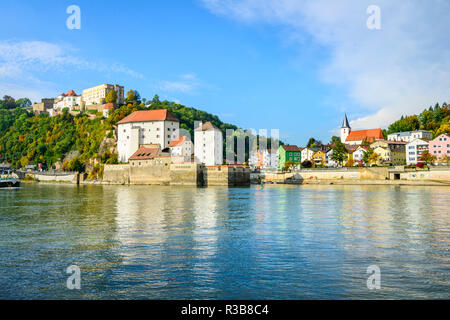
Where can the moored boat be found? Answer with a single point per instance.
(9, 183)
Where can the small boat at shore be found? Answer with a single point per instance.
(9, 183)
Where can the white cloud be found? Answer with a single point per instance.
(400, 69)
(186, 83)
(22, 64)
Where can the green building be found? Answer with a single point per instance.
(289, 153)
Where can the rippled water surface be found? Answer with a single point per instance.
(283, 242)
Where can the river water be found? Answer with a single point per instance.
(283, 242)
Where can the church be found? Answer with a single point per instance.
(356, 138)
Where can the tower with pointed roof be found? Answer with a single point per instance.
(345, 129)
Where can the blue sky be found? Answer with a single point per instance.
(291, 65)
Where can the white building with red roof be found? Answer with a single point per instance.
(149, 127)
(357, 137)
(208, 144)
(182, 147)
(67, 100)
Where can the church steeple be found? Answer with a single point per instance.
(345, 130)
(345, 123)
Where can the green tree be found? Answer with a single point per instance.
(367, 155)
(288, 165)
(335, 140)
(23, 103)
(156, 100)
(339, 153)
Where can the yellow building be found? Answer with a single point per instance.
(390, 152)
(320, 158)
(97, 95)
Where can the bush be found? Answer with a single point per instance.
(306, 164)
(420, 165)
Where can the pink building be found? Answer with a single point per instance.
(440, 146)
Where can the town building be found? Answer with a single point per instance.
(320, 157)
(397, 151)
(182, 147)
(97, 95)
(264, 159)
(414, 151)
(350, 150)
(144, 155)
(358, 154)
(390, 152)
(289, 153)
(440, 146)
(66, 100)
(357, 137)
(208, 144)
(108, 109)
(44, 107)
(409, 136)
(150, 127)
(307, 154)
(330, 162)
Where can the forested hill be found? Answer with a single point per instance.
(28, 139)
(435, 119)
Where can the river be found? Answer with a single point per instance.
(283, 242)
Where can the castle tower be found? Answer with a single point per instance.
(345, 129)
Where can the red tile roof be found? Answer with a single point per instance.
(351, 149)
(149, 115)
(368, 135)
(145, 153)
(206, 126)
(289, 148)
(396, 142)
(177, 141)
(109, 106)
(71, 93)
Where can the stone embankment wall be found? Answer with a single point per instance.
(226, 176)
(433, 174)
(186, 174)
(153, 172)
(55, 177)
(357, 175)
(116, 174)
(166, 173)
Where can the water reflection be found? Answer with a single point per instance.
(283, 242)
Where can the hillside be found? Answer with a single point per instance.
(28, 139)
(435, 119)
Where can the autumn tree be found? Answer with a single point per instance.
(427, 157)
(130, 96)
(111, 97)
(374, 158)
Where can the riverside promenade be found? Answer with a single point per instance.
(376, 175)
